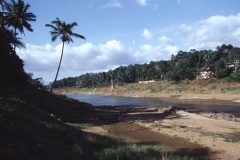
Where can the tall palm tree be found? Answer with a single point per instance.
(17, 16)
(64, 31)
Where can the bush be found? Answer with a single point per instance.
(223, 73)
(234, 77)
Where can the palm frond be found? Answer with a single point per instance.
(63, 30)
(78, 36)
(54, 38)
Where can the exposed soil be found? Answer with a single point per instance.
(203, 89)
(186, 133)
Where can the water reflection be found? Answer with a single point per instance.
(203, 105)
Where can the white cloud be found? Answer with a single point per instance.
(113, 4)
(162, 51)
(211, 32)
(165, 41)
(147, 34)
(142, 2)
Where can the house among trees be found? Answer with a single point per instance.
(202, 74)
(232, 65)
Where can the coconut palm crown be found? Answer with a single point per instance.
(17, 16)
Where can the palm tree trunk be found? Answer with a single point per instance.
(15, 38)
(58, 68)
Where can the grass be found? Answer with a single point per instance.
(137, 152)
(229, 89)
(182, 87)
(132, 151)
(76, 148)
(78, 125)
(233, 140)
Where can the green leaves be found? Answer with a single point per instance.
(63, 30)
(17, 16)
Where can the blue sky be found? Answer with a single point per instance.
(123, 32)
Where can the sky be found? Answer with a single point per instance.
(124, 32)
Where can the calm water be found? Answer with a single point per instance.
(204, 105)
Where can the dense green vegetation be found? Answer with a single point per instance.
(13, 17)
(224, 62)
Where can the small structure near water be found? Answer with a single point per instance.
(205, 74)
(145, 82)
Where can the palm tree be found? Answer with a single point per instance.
(17, 16)
(2, 2)
(234, 57)
(8, 39)
(64, 31)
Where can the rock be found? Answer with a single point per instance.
(237, 119)
(223, 116)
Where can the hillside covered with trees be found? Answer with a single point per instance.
(223, 62)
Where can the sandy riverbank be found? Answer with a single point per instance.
(196, 133)
(228, 97)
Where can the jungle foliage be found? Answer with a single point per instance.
(14, 16)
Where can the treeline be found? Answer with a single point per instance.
(224, 62)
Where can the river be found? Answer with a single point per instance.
(202, 105)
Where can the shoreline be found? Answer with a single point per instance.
(182, 96)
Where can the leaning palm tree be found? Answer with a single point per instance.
(64, 31)
(17, 16)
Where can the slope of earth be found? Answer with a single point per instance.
(202, 89)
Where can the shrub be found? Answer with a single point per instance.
(223, 73)
(234, 77)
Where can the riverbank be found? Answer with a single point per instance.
(203, 134)
(184, 90)
(64, 128)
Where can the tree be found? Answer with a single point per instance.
(64, 31)
(208, 58)
(2, 2)
(9, 70)
(18, 76)
(17, 16)
(234, 57)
